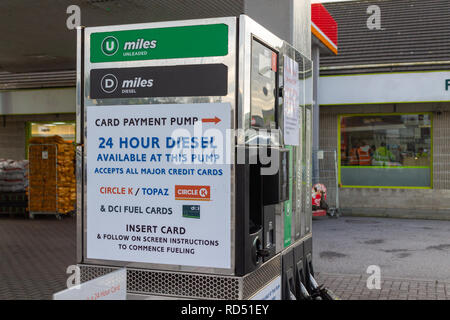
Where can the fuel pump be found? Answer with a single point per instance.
(223, 131)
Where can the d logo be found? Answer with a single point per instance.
(110, 45)
(109, 83)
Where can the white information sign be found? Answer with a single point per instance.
(158, 184)
(385, 88)
(112, 286)
(291, 102)
(270, 292)
(320, 154)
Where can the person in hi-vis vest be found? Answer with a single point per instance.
(382, 155)
(364, 154)
(353, 155)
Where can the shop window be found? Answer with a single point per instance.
(386, 150)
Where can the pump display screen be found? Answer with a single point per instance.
(263, 86)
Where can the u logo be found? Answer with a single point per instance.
(110, 45)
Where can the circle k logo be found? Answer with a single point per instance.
(110, 45)
(202, 193)
(109, 83)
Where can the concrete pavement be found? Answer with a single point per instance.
(413, 257)
(34, 256)
(354, 287)
(402, 248)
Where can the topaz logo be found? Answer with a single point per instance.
(110, 45)
(109, 83)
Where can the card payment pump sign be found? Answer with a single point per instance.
(173, 203)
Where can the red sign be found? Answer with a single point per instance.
(274, 62)
(324, 27)
(201, 193)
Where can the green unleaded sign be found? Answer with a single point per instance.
(161, 43)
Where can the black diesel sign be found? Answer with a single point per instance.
(170, 81)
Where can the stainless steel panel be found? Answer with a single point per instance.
(298, 193)
(308, 163)
(308, 76)
(79, 141)
(184, 285)
(301, 26)
(249, 29)
(258, 279)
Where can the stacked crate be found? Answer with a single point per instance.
(66, 177)
(52, 184)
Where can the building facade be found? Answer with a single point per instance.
(385, 107)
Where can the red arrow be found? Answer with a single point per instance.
(215, 120)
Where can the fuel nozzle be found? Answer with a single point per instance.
(263, 253)
(321, 292)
